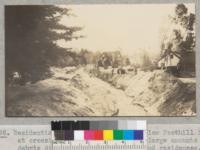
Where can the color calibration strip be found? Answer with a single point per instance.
(98, 130)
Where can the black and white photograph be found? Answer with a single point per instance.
(104, 60)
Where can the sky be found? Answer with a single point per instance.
(129, 28)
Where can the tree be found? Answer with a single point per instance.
(186, 21)
(30, 40)
(127, 61)
(116, 59)
(182, 36)
(146, 61)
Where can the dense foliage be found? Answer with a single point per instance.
(30, 41)
(181, 37)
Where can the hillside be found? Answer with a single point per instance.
(77, 92)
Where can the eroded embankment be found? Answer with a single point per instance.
(70, 92)
(159, 93)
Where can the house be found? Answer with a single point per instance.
(177, 63)
(171, 59)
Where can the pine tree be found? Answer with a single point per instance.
(30, 40)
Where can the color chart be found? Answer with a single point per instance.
(99, 135)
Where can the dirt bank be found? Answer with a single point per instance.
(70, 92)
(158, 92)
(78, 92)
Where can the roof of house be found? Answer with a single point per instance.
(177, 54)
